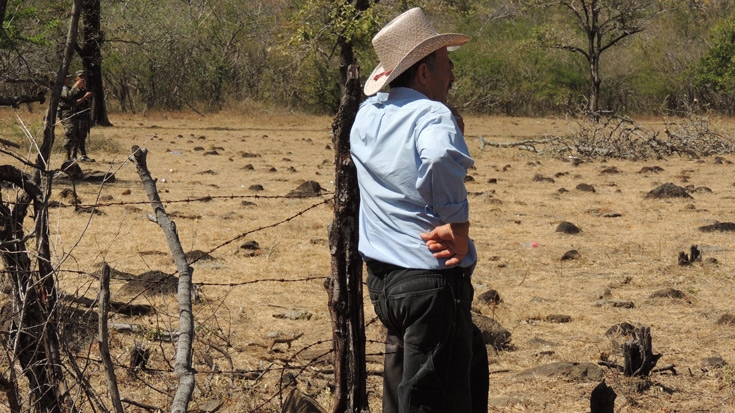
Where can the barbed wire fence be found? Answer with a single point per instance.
(78, 330)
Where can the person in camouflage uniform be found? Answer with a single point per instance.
(74, 114)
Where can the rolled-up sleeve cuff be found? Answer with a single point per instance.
(453, 213)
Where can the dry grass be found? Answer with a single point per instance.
(625, 257)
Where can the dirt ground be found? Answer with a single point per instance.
(262, 309)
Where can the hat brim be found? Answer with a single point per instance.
(379, 77)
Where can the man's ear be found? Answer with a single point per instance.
(422, 74)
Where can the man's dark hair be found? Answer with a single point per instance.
(405, 78)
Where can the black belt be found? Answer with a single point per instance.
(381, 269)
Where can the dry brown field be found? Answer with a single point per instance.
(207, 168)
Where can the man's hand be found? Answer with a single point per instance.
(449, 241)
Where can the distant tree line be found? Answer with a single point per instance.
(661, 56)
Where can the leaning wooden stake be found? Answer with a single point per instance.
(182, 367)
(104, 344)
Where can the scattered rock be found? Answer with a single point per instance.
(298, 402)
(567, 370)
(306, 189)
(297, 314)
(713, 363)
(250, 245)
(667, 293)
(568, 228)
(132, 209)
(701, 190)
(72, 170)
(151, 282)
(256, 187)
(726, 320)
(540, 342)
(620, 329)
(585, 188)
(651, 169)
(720, 160)
(610, 170)
(490, 297)
(210, 406)
(558, 318)
(492, 332)
(198, 255)
(183, 215)
(249, 249)
(668, 190)
(719, 227)
(99, 176)
(571, 255)
(68, 193)
(541, 178)
(614, 303)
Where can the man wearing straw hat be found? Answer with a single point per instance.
(411, 160)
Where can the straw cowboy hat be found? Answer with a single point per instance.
(404, 41)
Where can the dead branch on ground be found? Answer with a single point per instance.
(621, 137)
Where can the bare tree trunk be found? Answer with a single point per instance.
(3, 7)
(186, 318)
(92, 60)
(345, 281)
(35, 343)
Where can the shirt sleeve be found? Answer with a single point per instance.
(443, 163)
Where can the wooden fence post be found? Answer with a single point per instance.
(344, 284)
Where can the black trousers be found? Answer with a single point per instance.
(436, 360)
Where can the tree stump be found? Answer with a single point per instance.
(602, 399)
(139, 356)
(638, 354)
(695, 256)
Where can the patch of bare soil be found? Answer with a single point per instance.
(250, 196)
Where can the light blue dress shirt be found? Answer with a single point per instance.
(411, 161)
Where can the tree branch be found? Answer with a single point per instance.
(183, 367)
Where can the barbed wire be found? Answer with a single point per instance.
(205, 198)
